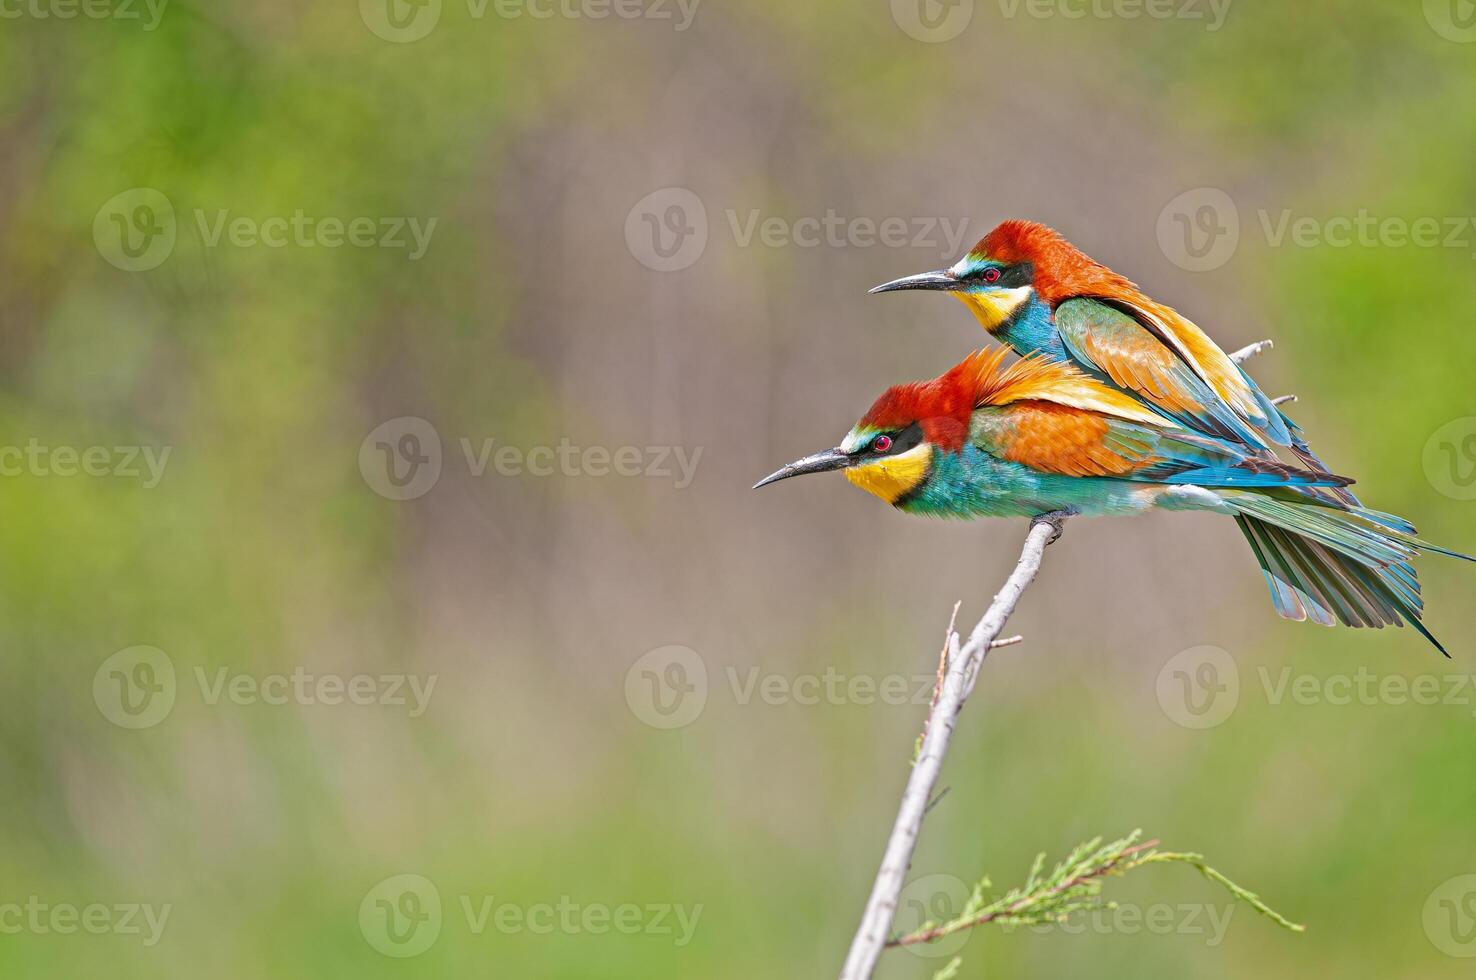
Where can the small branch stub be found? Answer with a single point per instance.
(1251, 350)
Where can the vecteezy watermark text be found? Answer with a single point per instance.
(936, 21)
(1212, 12)
(936, 898)
(1367, 230)
(1454, 20)
(1449, 458)
(123, 462)
(667, 230)
(1201, 229)
(567, 459)
(307, 231)
(136, 230)
(1201, 688)
(147, 12)
(1450, 917)
(668, 687)
(401, 459)
(137, 688)
(404, 21)
(38, 917)
(402, 916)
(833, 230)
(1158, 919)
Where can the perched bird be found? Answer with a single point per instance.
(1040, 294)
(1042, 435)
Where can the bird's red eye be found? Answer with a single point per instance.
(882, 444)
(991, 274)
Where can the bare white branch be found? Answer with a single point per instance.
(963, 662)
(1246, 353)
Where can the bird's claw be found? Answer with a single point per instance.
(1056, 519)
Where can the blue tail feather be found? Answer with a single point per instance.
(1328, 563)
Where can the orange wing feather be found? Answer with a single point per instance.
(1195, 346)
(1060, 382)
(1143, 367)
(1068, 441)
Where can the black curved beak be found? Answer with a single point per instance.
(831, 459)
(942, 279)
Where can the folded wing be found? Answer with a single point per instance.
(1171, 363)
(1052, 417)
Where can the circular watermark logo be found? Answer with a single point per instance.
(933, 21)
(400, 21)
(667, 229)
(401, 916)
(667, 687)
(1454, 20)
(1199, 230)
(1450, 917)
(135, 230)
(135, 687)
(1450, 459)
(401, 459)
(936, 899)
(1199, 687)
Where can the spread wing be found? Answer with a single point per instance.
(1171, 363)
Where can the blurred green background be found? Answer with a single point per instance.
(557, 301)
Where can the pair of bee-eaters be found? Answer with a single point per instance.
(1119, 405)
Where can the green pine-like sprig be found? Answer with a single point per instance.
(1074, 885)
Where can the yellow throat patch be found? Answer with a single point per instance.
(892, 476)
(993, 308)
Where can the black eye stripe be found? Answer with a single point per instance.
(908, 438)
(1010, 276)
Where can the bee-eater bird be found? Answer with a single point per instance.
(1042, 436)
(1040, 294)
